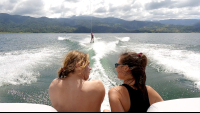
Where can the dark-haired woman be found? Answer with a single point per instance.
(133, 95)
(71, 92)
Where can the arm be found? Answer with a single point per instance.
(114, 100)
(154, 97)
(101, 90)
(99, 93)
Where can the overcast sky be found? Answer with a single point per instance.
(124, 9)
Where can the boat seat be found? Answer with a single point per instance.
(177, 105)
(25, 107)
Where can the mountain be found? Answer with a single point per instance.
(185, 22)
(197, 24)
(82, 24)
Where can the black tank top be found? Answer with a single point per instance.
(138, 103)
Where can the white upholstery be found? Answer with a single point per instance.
(25, 107)
(177, 105)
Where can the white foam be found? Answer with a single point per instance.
(124, 39)
(19, 67)
(85, 41)
(38, 97)
(197, 84)
(63, 38)
(171, 60)
(102, 49)
(98, 38)
(123, 46)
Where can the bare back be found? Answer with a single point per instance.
(70, 95)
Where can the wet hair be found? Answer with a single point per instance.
(69, 64)
(137, 63)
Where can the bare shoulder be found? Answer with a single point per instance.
(151, 90)
(149, 87)
(114, 94)
(95, 85)
(153, 95)
(97, 81)
(53, 83)
(115, 90)
(96, 89)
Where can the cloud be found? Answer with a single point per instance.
(13, 1)
(22, 7)
(188, 3)
(159, 4)
(101, 10)
(1, 6)
(74, 1)
(172, 4)
(29, 7)
(118, 10)
(7, 5)
(124, 9)
(59, 9)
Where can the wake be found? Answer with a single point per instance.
(102, 49)
(166, 58)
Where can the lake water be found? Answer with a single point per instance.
(29, 62)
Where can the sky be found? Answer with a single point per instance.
(124, 9)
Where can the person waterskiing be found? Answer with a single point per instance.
(92, 38)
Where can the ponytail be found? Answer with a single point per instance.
(137, 64)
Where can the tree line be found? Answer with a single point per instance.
(82, 24)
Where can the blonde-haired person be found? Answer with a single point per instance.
(71, 92)
(133, 95)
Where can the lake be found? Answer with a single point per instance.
(29, 62)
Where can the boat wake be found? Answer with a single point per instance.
(20, 67)
(166, 58)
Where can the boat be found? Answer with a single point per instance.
(25, 107)
(176, 105)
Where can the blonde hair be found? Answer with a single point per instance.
(71, 59)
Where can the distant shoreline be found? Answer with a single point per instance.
(82, 33)
(81, 24)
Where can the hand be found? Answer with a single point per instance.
(105, 110)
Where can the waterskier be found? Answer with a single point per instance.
(92, 38)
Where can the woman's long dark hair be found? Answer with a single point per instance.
(137, 63)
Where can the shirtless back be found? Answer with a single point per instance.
(75, 94)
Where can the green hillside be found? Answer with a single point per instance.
(82, 24)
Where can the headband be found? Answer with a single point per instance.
(62, 69)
